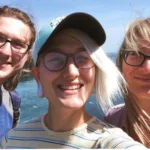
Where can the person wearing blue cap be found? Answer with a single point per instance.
(69, 65)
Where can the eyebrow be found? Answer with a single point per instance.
(56, 48)
(14, 39)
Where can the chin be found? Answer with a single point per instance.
(73, 105)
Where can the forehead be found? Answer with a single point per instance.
(14, 29)
(64, 40)
(144, 46)
(63, 36)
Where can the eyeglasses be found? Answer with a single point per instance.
(56, 61)
(134, 58)
(16, 46)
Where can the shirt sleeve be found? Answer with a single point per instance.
(117, 139)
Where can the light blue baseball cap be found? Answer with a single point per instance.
(81, 21)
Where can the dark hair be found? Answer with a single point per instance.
(6, 11)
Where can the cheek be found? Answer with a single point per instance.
(89, 76)
(47, 78)
(127, 71)
(20, 60)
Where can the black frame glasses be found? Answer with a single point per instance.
(16, 46)
(134, 58)
(57, 61)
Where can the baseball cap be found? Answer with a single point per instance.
(79, 20)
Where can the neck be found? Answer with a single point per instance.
(65, 119)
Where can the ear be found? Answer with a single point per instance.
(35, 73)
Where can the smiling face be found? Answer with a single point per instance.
(70, 87)
(138, 77)
(11, 62)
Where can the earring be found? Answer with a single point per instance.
(40, 90)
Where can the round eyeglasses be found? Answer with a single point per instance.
(134, 58)
(16, 46)
(56, 61)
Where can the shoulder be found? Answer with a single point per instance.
(109, 136)
(16, 99)
(26, 128)
(115, 114)
(118, 139)
(99, 124)
(21, 133)
(6, 105)
(15, 93)
(114, 109)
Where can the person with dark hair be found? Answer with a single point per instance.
(133, 60)
(69, 65)
(17, 35)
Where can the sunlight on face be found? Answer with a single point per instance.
(16, 30)
(70, 87)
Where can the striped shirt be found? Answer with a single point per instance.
(92, 134)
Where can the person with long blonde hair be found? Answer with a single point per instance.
(133, 60)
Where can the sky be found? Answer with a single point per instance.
(114, 15)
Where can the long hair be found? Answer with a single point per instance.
(108, 78)
(7, 11)
(137, 119)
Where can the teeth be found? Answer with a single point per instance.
(70, 87)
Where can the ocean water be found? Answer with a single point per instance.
(33, 106)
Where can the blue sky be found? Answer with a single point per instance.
(114, 15)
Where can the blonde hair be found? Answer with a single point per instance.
(137, 30)
(108, 78)
(137, 119)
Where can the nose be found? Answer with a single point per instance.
(70, 71)
(146, 66)
(5, 50)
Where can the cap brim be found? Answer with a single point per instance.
(85, 23)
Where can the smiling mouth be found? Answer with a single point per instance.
(70, 87)
(143, 79)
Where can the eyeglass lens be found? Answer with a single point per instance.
(134, 58)
(16, 46)
(55, 61)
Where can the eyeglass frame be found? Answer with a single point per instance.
(11, 41)
(124, 53)
(67, 57)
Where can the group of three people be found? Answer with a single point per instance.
(69, 65)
